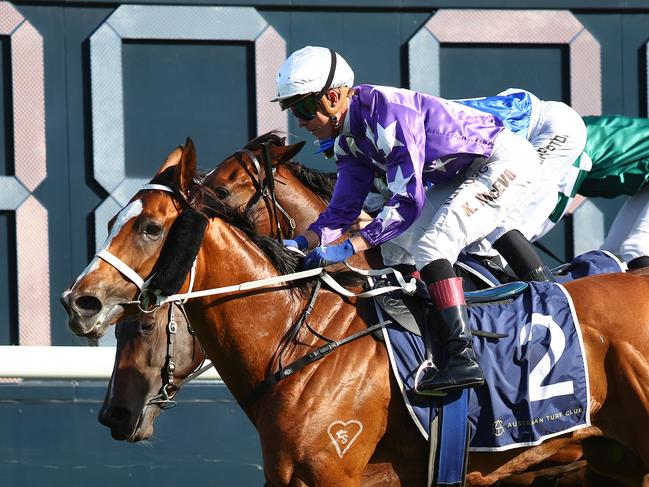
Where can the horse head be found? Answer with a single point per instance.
(155, 353)
(136, 380)
(294, 195)
(105, 291)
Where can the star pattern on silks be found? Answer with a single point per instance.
(388, 216)
(387, 137)
(351, 144)
(338, 149)
(381, 166)
(399, 185)
(369, 134)
(353, 148)
(439, 165)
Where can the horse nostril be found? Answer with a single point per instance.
(87, 305)
(121, 415)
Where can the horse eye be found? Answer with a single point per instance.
(147, 325)
(221, 192)
(152, 229)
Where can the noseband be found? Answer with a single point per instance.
(265, 188)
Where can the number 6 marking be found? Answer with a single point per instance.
(538, 374)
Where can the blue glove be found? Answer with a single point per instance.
(324, 256)
(300, 242)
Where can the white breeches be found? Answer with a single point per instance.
(629, 233)
(471, 206)
(559, 138)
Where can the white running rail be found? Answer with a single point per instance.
(63, 363)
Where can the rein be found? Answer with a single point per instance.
(145, 303)
(265, 188)
(317, 354)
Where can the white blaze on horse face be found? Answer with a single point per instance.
(343, 434)
(132, 210)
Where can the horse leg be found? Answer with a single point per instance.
(401, 457)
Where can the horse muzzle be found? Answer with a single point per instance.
(88, 317)
(126, 426)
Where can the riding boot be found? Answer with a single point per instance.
(461, 369)
(522, 258)
(638, 263)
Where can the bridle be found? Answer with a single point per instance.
(166, 394)
(265, 188)
(168, 390)
(148, 301)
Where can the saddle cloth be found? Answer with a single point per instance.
(536, 378)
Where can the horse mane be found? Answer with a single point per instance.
(321, 183)
(203, 199)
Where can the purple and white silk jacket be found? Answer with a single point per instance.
(417, 139)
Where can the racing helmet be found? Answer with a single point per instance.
(309, 70)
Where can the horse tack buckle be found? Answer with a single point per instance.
(149, 300)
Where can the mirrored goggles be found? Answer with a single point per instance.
(306, 108)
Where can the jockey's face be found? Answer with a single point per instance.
(321, 125)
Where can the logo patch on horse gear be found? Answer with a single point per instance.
(179, 251)
(343, 434)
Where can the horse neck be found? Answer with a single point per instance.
(240, 332)
(299, 201)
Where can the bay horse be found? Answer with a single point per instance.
(241, 331)
(151, 363)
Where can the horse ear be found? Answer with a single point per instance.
(172, 159)
(290, 151)
(187, 168)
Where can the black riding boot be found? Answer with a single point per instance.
(638, 263)
(522, 258)
(461, 369)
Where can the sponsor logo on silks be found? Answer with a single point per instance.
(554, 143)
(343, 434)
(498, 187)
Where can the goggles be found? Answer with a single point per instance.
(306, 108)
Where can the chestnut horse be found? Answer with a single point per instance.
(151, 362)
(241, 331)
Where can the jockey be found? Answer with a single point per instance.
(557, 133)
(615, 162)
(426, 146)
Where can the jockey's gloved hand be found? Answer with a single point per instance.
(300, 242)
(323, 256)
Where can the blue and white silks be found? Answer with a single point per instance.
(513, 108)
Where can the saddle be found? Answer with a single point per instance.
(410, 311)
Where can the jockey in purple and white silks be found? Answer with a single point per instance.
(558, 134)
(424, 144)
